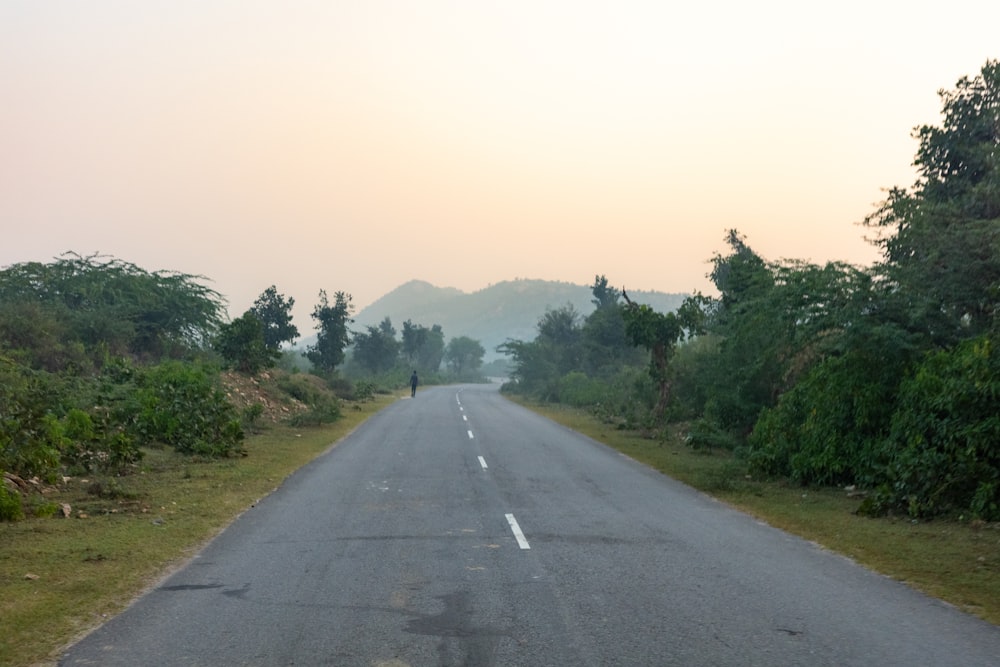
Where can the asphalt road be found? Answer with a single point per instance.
(457, 528)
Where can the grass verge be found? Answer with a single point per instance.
(953, 560)
(59, 578)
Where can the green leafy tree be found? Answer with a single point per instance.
(940, 239)
(464, 355)
(533, 371)
(275, 314)
(241, 343)
(423, 348)
(539, 365)
(377, 349)
(899, 398)
(605, 295)
(333, 336)
(660, 333)
(111, 306)
(559, 332)
(606, 347)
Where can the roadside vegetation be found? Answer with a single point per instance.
(885, 379)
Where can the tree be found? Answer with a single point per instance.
(941, 239)
(241, 343)
(332, 336)
(107, 305)
(275, 315)
(606, 347)
(377, 349)
(560, 334)
(423, 347)
(659, 333)
(464, 355)
(605, 295)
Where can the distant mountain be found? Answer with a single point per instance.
(494, 314)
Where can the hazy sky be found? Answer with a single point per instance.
(357, 145)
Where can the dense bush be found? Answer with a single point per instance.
(945, 440)
(829, 428)
(10, 504)
(182, 405)
(241, 344)
(578, 390)
(31, 437)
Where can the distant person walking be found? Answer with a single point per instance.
(413, 384)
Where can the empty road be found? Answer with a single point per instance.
(456, 528)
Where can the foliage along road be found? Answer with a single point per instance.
(457, 528)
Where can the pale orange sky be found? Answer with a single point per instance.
(357, 145)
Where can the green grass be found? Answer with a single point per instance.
(954, 560)
(141, 526)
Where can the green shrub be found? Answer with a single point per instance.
(10, 505)
(251, 416)
(829, 427)
(705, 434)
(31, 437)
(325, 409)
(580, 391)
(944, 446)
(181, 404)
(364, 391)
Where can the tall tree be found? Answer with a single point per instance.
(275, 314)
(332, 334)
(464, 355)
(941, 238)
(559, 332)
(606, 346)
(659, 333)
(423, 347)
(605, 295)
(377, 348)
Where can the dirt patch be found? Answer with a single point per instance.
(244, 392)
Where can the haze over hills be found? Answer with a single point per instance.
(509, 309)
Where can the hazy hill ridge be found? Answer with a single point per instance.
(509, 309)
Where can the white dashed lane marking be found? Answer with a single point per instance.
(521, 541)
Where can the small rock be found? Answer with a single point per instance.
(65, 510)
(31, 577)
(158, 521)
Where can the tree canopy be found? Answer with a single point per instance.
(275, 314)
(106, 304)
(333, 336)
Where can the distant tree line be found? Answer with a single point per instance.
(378, 352)
(886, 377)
